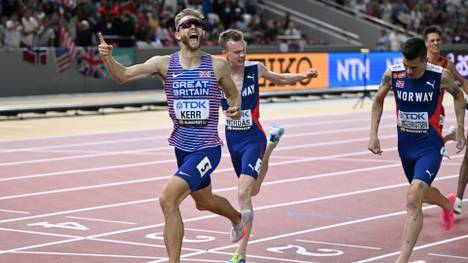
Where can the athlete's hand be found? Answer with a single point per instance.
(461, 141)
(374, 146)
(233, 112)
(313, 73)
(105, 50)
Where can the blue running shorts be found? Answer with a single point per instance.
(196, 167)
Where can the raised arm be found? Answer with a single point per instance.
(377, 109)
(223, 75)
(285, 78)
(451, 87)
(122, 74)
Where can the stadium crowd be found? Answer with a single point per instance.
(415, 15)
(143, 23)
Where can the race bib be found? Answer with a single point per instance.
(417, 122)
(244, 123)
(192, 112)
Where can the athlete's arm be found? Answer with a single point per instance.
(377, 109)
(223, 75)
(457, 76)
(285, 78)
(122, 74)
(451, 87)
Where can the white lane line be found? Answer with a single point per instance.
(41, 245)
(50, 253)
(101, 220)
(21, 177)
(74, 157)
(36, 232)
(440, 242)
(337, 244)
(346, 223)
(15, 211)
(80, 188)
(145, 138)
(297, 202)
(270, 259)
(446, 256)
(207, 231)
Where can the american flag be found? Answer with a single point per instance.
(90, 63)
(65, 55)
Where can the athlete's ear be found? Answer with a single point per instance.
(177, 35)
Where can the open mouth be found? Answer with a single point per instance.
(193, 36)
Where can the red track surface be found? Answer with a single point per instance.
(93, 198)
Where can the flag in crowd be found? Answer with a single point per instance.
(90, 63)
(35, 55)
(66, 53)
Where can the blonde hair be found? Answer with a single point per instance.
(188, 12)
(230, 34)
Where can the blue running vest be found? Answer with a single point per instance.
(418, 101)
(250, 93)
(193, 98)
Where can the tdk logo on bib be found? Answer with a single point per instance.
(192, 112)
(417, 122)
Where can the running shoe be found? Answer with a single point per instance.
(275, 133)
(238, 231)
(457, 206)
(237, 258)
(447, 215)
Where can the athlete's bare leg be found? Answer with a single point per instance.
(264, 167)
(414, 219)
(434, 197)
(206, 200)
(245, 187)
(175, 191)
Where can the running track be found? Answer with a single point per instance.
(93, 198)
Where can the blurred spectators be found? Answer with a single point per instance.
(415, 15)
(143, 23)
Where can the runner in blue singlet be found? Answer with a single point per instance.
(245, 137)
(418, 89)
(192, 81)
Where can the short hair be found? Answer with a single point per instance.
(432, 29)
(414, 48)
(188, 12)
(230, 34)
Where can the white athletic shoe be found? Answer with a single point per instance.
(275, 133)
(238, 231)
(457, 206)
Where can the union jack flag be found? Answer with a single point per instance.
(204, 74)
(36, 55)
(400, 84)
(90, 63)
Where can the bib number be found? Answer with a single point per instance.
(244, 123)
(192, 112)
(417, 122)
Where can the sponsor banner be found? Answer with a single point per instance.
(357, 69)
(294, 63)
(460, 60)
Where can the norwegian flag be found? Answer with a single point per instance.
(66, 54)
(35, 55)
(400, 84)
(90, 63)
(204, 74)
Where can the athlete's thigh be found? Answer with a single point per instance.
(197, 167)
(252, 159)
(407, 162)
(427, 165)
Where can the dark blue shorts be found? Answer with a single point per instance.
(196, 167)
(421, 160)
(246, 149)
